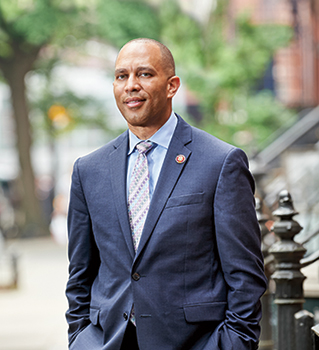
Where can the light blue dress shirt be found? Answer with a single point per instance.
(155, 156)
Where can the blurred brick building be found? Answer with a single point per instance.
(295, 70)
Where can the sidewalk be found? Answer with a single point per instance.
(32, 316)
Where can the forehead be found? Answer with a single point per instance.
(139, 54)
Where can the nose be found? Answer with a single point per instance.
(132, 84)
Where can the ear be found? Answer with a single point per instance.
(172, 86)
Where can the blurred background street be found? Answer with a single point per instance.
(32, 316)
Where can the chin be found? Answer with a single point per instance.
(136, 120)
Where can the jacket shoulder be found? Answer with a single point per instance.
(200, 139)
(210, 142)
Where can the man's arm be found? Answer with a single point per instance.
(83, 257)
(239, 246)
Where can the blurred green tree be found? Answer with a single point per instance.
(222, 62)
(26, 28)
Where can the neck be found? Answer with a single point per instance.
(144, 132)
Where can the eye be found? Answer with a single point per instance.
(145, 75)
(120, 77)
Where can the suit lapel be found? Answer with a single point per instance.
(170, 173)
(118, 160)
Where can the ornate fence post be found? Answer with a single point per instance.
(266, 342)
(315, 337)
(287, 276)
(303, 333)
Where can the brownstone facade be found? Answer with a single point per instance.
(296, 67)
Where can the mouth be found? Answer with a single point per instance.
(133, 102)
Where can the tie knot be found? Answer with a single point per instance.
(144, 146)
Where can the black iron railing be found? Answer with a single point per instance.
(284, 258)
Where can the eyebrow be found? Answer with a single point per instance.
(119, 71)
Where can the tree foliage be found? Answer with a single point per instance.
(223, 64)
(27, 29)
(220, 63)
(120, 21)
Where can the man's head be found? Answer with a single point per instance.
(144, 85)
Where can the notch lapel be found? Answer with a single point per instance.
(170, 173)
(118, 161)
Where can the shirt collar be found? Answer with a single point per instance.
(162, 137)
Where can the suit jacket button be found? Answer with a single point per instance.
(136, 276)
(125, 316)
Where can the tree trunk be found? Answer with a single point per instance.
(14, 71)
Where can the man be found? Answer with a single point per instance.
(186, 272)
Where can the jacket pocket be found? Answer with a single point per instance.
(205, 312)
(94, 316)
(187, 199)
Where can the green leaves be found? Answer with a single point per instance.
(249, 119)
(121, 21)
(222, 63)
(37, 27)
(31, 23)
(181, 33)
(37, 23)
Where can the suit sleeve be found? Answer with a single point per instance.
(83, 258)
(239, 246)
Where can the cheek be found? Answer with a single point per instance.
(160, 96)
(117, 89)
(117, 97)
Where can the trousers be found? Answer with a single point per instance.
(130, 339)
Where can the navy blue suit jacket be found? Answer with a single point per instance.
(197, 277)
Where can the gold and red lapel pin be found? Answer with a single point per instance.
(180, 159)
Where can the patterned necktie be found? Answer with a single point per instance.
(139, 196)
